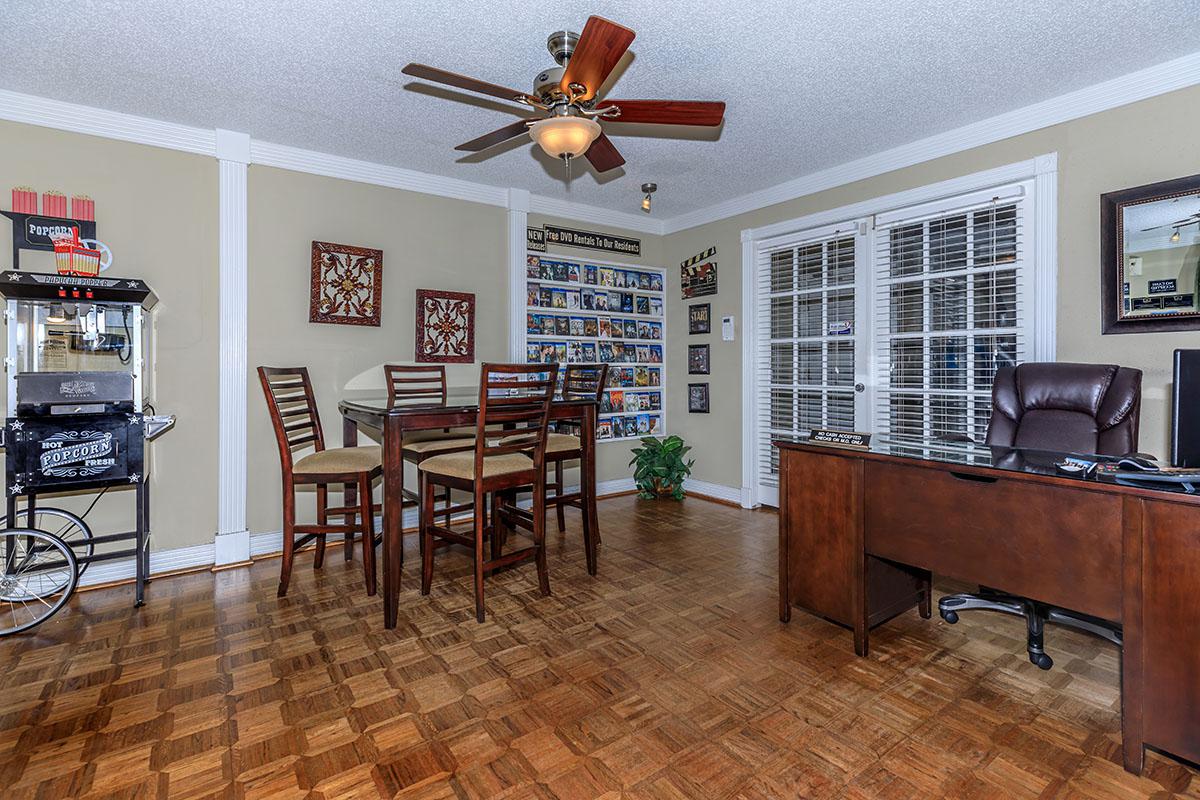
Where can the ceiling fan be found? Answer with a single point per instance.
(1192, 220)
(565, 95)
(1177, 225)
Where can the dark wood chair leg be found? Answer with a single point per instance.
(427, 547)
(449, 503)
(322, 519)
(368, 532)
(539, 534)
(289, 544)
(495, 536)
(480, 518)
(348, 543)
(558, 490)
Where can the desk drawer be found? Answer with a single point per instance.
(1056, 544)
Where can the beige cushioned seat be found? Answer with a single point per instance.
(462, 465)
(339, 459)
(437, 445)
(555, 442)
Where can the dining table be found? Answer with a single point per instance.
(392, 418)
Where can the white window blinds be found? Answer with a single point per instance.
(805, 339)
(949, 303)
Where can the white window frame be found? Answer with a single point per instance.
(1042, 238)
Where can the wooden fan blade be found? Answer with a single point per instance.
(667, 112)
(463, 82)
(495, 137)
(604, 155)
(600, 47)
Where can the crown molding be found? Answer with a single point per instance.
(75, 118)
(566, 209)
(269, 154)
(1169, 76)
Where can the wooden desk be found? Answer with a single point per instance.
(861, 531)
(461, 409)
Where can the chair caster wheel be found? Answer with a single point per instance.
(950, 616)
(1041, 660)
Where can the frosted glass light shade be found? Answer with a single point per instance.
(565, 137)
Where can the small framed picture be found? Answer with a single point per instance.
(697, 398)
(698, 359)
(700, 318)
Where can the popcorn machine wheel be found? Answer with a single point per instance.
(75, 424)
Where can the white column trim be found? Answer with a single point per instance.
(232, 543)
(518, 219)
(749, 497)
(1045, 273)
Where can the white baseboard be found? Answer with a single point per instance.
(617, 486)
(179, 558)
(716, 491)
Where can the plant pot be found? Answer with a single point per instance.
(663, 489)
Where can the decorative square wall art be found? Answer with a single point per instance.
(698, 355)
(445, 327)
(347, 284)
(700, 318)
(697, 398)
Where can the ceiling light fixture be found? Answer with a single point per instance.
(647, 190)
(565, 137)
(1175, 235)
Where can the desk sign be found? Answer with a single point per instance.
(839, 438)
(1163, 286)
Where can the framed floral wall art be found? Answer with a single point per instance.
(445, 327)
(346, 284)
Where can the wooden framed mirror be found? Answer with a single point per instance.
(1150, 255)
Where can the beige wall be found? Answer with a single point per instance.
(612, 458)
(1149, 141)
(157, 210)
(428, 243)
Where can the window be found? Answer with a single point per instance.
(892, 316)
(806, 335)
(949, 312)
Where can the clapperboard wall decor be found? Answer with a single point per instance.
(698, 279)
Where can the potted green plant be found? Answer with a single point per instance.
(660, 467)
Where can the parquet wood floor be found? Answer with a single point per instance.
(668, 676)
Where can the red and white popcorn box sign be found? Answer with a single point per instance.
(24, 200)
(54, 204)
(83, 208)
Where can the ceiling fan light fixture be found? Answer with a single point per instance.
(1175, 235)
(565, 137)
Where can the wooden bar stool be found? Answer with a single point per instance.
(426, 383)
(580, 381)
(297, 425)
(516, 397)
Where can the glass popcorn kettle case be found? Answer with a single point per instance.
(91, 332)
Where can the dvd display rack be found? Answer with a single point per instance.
(580, 311)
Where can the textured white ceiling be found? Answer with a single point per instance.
(808, 85)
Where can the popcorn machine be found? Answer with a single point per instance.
(76, 371)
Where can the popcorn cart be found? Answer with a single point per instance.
(76, 423)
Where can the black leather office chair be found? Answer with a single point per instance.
(1076, 408)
